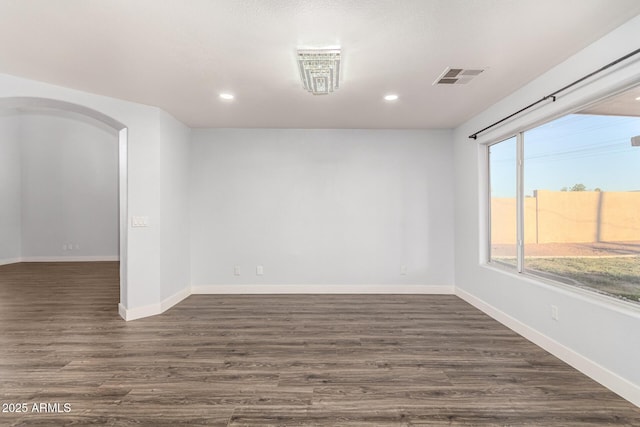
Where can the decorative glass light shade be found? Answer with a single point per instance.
(319, 70)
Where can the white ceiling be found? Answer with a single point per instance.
(180, 54)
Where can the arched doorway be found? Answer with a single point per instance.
(36, 104)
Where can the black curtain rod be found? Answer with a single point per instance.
(552, 96)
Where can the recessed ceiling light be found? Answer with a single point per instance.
(226, 96)
(638, 98)
(391, 97)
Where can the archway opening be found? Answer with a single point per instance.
(52, 107)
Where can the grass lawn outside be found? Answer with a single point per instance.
(617, 276)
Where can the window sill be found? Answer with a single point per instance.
(588, 295)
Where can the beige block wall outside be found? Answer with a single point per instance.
(620, 219)
(530, 220)
(569, 217)
(503, 220)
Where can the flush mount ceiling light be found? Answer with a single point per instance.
(391, 97)
(457, 76)
(319, 70)
(226, 96)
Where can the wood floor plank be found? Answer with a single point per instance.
(255, 360)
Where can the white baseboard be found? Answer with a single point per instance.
(87, 258)
(6, 261)
(598, 373)
(322, 289)
(174, 299)
(153, 309)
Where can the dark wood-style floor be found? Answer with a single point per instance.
(275, 360)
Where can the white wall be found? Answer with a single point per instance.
(599, 337)
(332, 208)
(174, 208)
(69, 188)
(10, 222)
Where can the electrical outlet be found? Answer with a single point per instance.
(236, 270)
(554, 312)
(259, 270)
(403, 270)
(139, 221)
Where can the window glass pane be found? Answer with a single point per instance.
(502, 172)
(582, 199)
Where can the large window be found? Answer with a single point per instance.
(578, 213)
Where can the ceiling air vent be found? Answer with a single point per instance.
(319, 70)
(457, 76)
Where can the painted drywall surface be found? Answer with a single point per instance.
(601, 332)
(321, 207)
(69, 188)
(174, 207)
(143, 276)
(10, 221)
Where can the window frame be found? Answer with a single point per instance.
(520, 271)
